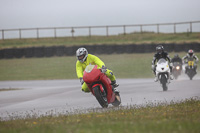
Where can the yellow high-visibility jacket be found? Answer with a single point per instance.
(91, 59)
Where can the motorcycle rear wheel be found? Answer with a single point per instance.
(101, 97)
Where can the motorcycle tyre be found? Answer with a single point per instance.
(190, 74)
(164, 83)
(100, 98)
(165, 88)
(175, 76)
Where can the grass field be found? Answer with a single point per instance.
(183, 117)
(136, 38)
(123, 66)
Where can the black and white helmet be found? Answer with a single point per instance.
(176, 56)
(159, 49)
(81, 54)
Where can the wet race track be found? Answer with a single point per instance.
(44, 97)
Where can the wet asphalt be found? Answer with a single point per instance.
(54, 97)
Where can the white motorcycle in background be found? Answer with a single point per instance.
(163, 73)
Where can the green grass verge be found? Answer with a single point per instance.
(123, 66)
(136, 38)
(10, 89)
(181, 117)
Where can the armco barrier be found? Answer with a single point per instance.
(29, 52)
(195, 46)
(18, 53)
(130, 49)
(169, 47)
(2, 53)
(49, 51)
(178, 48)
(120, 49)
(39, 52)
(70, 51)
(9, 53)
(93, 49)
(60, 51)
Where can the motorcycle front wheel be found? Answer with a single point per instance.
(175, 75)
(101, 97)
(164, 82)
(190, 74)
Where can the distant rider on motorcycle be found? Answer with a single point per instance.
(84, 59)
(190, 56)
(176, 58)
(161, 54)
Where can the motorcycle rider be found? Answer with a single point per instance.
(190, 56)
(176, 58)
(161, 54)
(84, 59)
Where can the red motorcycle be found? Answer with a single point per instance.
(100, 86)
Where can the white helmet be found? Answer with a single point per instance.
(81, 54)
(190, 52)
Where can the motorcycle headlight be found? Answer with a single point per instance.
(177, 67)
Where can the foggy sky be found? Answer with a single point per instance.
(66, 13)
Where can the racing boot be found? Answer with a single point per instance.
(171, 76)
(156, 78)
(114, 85)
(195, 71)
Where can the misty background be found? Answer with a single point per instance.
(16, 14)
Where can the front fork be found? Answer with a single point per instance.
(111, 98)
(159, 77)
(100, 86)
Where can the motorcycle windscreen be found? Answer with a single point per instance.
(161, 61)
(89, 68)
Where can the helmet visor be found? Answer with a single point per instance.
(190, 54)
(81, 57)
(159, 50)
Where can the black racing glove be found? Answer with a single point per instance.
(82, 81)
(103, 69)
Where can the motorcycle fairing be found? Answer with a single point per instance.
(107, 83)
(91, 70)
(94, 77)
(162, 66)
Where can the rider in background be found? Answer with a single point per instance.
(84, 59)
(161, 54)
(176, 58)
(190, 56)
